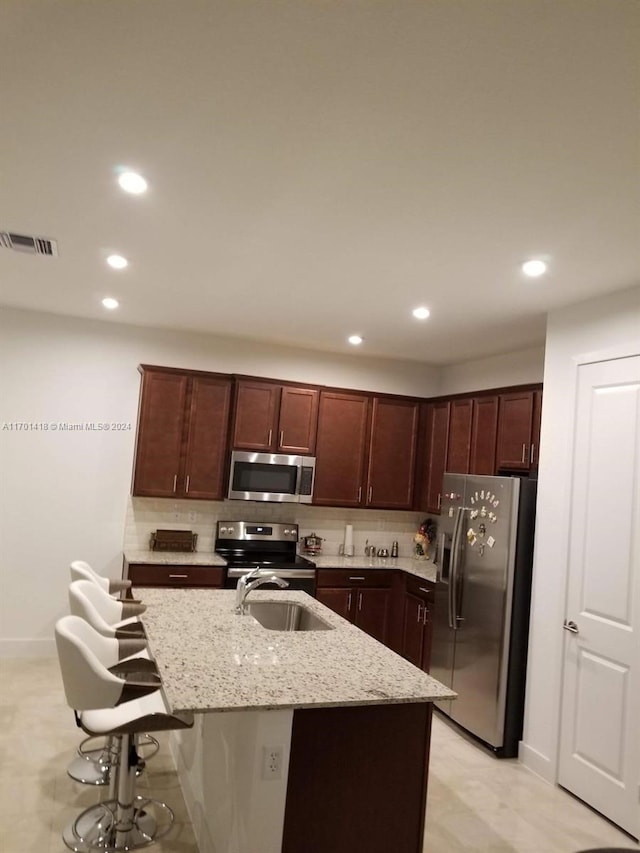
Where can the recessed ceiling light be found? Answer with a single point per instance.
(132, 182)
(356, 340)
(110, 303)
(421, 313)
(534, 268)
(117, 262)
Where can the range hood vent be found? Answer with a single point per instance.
(27, 243)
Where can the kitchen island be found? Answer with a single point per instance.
(324, 741)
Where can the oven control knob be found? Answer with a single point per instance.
(223, 530)
(229, 530)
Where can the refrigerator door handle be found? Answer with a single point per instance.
(453, 576)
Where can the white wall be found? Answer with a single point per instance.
(524, 367)
(606, 327)
(63, 494)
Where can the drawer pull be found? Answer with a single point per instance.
(357, 579)
(178, 576)
(423, 589)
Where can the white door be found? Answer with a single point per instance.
(600, 727)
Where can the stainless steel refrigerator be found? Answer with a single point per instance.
(481, 611)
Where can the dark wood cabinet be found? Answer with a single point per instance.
(271, 417)
(484, 432)
(154, 574)
(361, 596)
(418, 603)
(515, 425)
(534, 453)
(459, 446)
(343, 421)
(432, 454)
(366, 451)
(182, 434)
(392, 453)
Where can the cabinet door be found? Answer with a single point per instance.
(459, 449)
(160, 431)
(434, 454)
(392, 454)
(483, 435)
(208, 425)
(514, 430)
(371, 607)
(338, 600)
(534, 453)
(340, 449)
(256, 412)
(413, 629)
(298, 420)
(427, 620)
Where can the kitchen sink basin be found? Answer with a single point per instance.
(286, 616)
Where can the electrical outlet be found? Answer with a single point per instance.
(193, 516)
(271, 762)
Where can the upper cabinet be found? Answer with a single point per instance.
(365, 455)
(516, 447)
(276, 418)
(432, 454)
(484, 430)
(459, 446)
(182, 434)
(340, 450)
(392, 453)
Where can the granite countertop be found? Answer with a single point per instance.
(424, 569)
(175, 558)
(212, 660)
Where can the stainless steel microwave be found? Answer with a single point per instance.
(275, 477)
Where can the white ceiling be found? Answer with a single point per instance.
(321, 167)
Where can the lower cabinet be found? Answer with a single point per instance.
(416, 637)
(360, 596)
(154, 574)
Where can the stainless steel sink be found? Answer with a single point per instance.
(286, 616)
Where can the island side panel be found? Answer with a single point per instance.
(358, 779)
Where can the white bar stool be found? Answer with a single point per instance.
(95, 606)
(107, 704)
(81, 570)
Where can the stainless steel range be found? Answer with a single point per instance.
(247, 545)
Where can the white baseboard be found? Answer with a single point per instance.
(28, 648)
(538, 763)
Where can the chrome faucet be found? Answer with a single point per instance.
(250, 581)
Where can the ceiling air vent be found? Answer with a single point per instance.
(27, 243)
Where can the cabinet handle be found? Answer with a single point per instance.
(439, 500)
(349, 602)
(425, 615)
(178, 576)
(532, 454)
(356, 578)
(419, 613)
(370, 493)
(359, 494)
(270, 437)
(359, 601)
(186, 488)
(524, 452)
(424, 589)
(281, 437)
(175, 482)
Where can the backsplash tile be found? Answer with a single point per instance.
(377, 527)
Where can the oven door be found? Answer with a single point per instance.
(278, 478)
(298, 579)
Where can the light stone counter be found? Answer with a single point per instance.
(210, 659)
(175, 558)
(424, 569)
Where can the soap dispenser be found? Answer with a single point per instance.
(394, 549)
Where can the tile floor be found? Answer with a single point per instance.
(474, 803)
